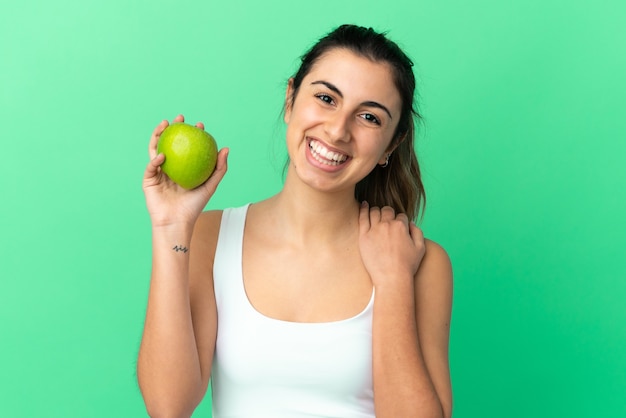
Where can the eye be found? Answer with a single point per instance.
(325, 98)
(370, 118)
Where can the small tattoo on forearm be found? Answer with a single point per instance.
(180, 248)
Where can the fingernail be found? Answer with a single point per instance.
(364, 204)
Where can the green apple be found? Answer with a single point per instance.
(190, 154)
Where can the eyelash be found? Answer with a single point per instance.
(371, 118)
(323, 98)
(327, 99)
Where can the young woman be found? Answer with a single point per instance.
(324, 300)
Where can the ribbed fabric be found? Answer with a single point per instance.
(268, 368)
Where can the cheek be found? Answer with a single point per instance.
(304, 110)
(293, 134)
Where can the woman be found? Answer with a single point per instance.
(325, 299)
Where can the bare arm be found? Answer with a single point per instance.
(169, 369)
(433, 296)
(174, 362)
(413, 282)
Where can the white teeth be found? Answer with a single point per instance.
(324, 155)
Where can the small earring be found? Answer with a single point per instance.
(386, 161)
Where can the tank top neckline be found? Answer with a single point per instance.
(254, 311)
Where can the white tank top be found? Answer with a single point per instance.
(269, 368)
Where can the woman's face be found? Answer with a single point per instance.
(342, 120)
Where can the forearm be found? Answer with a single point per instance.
(402, 385)
(168, 366)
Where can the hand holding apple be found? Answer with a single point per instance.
(178, 192)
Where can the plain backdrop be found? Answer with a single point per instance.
(522, 150)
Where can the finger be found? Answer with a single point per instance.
(220, 170)
(374, 214)
(416, 234)
(364, 217)
(387, 213)
(179, 119)
(404, 219)
(152, 169)
(200, 125)
(154, 139)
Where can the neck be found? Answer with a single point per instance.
(310, 216)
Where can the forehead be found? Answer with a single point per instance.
(357, 77)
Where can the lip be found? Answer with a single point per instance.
(325, 167)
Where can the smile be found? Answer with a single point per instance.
(324, 155)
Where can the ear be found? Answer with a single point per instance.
(384, 159)
(392, 147)
(395, 144)
(288, 101)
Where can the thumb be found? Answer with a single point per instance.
(416, 234)
(152, 169)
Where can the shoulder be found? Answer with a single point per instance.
(435, 257)
(434, 276)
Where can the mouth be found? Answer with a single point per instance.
(325, 156)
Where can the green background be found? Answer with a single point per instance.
(522, 151)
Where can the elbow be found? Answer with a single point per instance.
(435, 411)
(170, 404)
(438, 404)
(440, 408)
(434, 407)
(426, 406)
(169, 398)
(165, 409)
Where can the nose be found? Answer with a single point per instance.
(337, 126)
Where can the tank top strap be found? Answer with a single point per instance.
(228, 255)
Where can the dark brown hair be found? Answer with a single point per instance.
(399, 184)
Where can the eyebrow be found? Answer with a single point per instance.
(369, 103)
